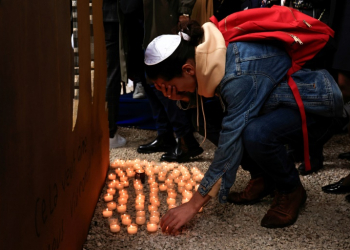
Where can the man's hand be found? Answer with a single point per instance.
(172, 94)
(175, 218)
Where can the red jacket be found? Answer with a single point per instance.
(303, 37)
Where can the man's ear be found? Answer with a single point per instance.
(188, 69)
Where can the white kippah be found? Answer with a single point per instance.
(161, 48)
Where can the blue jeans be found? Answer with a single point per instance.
(253, 71)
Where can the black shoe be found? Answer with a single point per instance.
(316, 164)
(347, 198)
(186, 148)
(163, 143)
(336, 188)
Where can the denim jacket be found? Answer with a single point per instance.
(253, 84)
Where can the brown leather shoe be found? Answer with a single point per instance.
(284, 209)
(253, 193)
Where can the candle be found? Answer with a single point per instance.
(114, 164)
(111, 191)
(126, 220)
(154, 218)
(138, 186)
(156, 169)
(111, 205)
(140, 174)
(176, 173)
(112, 176)
(119, 186)
(137, 166)
(188, 186)
(121, 173)
(181, 183)
(177, 179)
(125, 183)
(170, 185)
(132, 229)
(171, 206)
(154, 190)
(184, 200)
(180, 189)
(115, 228)
(161, 177)
(108, 197)
(122, 200)
(151, 179)
(130, 173)
(111, 184)
(140, 220)
(162, 187)
(196, 187)
(172, 195)
(187, 194)
(171, 201)
(153, 185)
(155, 202)
(152, 208)
(121, 208)
(140, 206)
(122, 164)
(123, 178)
(152, 227)
(107, 213)
(123, 191)
(140, 213)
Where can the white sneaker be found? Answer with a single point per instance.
(117, 141)
(139, 92)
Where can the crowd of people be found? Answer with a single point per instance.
(233, 92)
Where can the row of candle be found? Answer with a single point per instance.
(180, 176)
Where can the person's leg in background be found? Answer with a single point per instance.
(265, 138)
(113, 82)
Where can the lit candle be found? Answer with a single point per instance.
(126, 220)
(111, 191)
(171, 201)
(115, 228)
(155, 213)
(122, 200)
(155, 202)
(108, 197)
(140, 220)
(155, 194)
(152, 227)
(122, 164)
(119, 186)
(125, 183)
(154, 219)
(152, 208)
(176, 173)
(177, 179)
(153, 185)
(111, 184)
(187, 194)
(121, 208)
(151, 179)
(132, 229)
(138, 186)
(171, 206)
(156, 169)
(140, 213)
(172, 195)
(170, 185)
(120, 173)
(111, 205)
(181, 183)
(180, 189)
(140, 206)
(184, 200)
(123, 178)
(114, 164)
(107, 213)
(139, 200)
(162, 187)
(188, 186)
(137, 166)
(161, 177)
(130, 173)
(112, 176)
(154, 190)
(123, 192)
